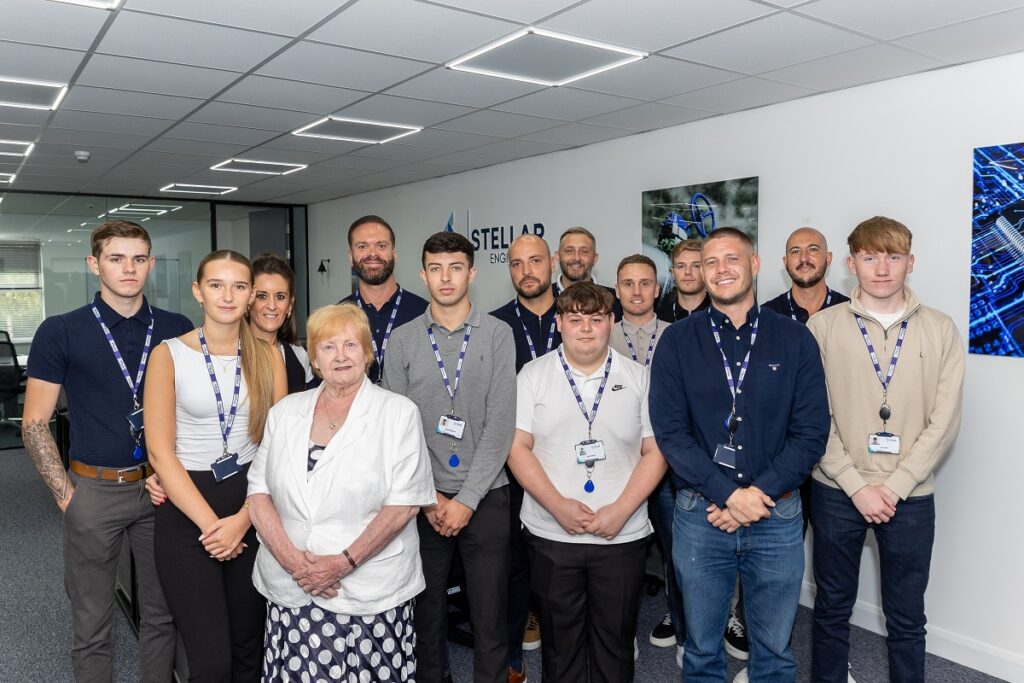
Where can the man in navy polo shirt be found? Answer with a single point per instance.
(98, 354)
(372, 255)
(740, 411)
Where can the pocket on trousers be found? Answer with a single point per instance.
(687, 500)
(788, 508)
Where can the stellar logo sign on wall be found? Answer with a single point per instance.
(495, 240)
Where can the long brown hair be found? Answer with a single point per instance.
(269, 263)
(257, 355)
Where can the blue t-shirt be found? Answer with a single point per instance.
(70, 349)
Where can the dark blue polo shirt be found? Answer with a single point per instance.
(411, 308)
(784, 304)
(783, 403)
(71, 350)
(538, 327)
(670, 310)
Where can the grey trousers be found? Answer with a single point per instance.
(95, 524)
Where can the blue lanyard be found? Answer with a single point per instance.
(650, 347)
(592, 415)
(225, 422)
(452, 388)
(737, 385)
(792, 308)
(132, 386)
(529, 338)
(886, 378)
(379, 355)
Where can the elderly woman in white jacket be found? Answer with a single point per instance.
(333, 493)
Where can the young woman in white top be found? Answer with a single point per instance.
(207, 396)
(271, 320)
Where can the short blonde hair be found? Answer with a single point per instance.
(328, 319)
(880, 234)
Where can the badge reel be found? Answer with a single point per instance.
(884, 441)
(725, 453)
(588, 452)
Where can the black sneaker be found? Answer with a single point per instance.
(736, 637)
(664, 635)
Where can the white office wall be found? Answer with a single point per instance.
(901, 148)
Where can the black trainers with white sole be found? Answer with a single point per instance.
(664, 634)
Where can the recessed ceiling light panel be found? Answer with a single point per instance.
(99, 4)
(7, 177)
(543, 57)
(355, 130)
(260, 167)
(189, 188)
(26, 94)
(15, 148)
(135, 209)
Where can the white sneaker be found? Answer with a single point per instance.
(741, 677)
(679, 656)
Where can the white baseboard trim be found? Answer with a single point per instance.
(944, 643)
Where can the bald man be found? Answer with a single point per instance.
(807, 259)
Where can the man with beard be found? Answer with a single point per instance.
(372, 255)
(577, 255)
(807, 259)
(690, 294)
(531, 315)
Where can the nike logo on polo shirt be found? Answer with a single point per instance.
(617, 387)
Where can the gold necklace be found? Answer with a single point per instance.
(330, 423)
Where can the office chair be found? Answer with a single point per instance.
(11, 379)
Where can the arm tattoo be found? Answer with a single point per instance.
(43, 452)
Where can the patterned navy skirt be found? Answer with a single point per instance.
(311, 644)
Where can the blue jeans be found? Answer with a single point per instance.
(769, 556)
(660, 507)
(904, 553)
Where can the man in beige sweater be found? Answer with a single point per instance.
(894, 370)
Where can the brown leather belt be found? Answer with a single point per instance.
(785, 495)
(121, 476)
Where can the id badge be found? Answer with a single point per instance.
(135, 421)
(225, 466)
(884, 442)
(590, 451)
(725, 455)
(452, 426)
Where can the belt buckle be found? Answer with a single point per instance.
(120, 476)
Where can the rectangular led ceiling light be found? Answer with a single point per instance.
(355, 130)
(260, 167)
(15, 148)
(543, 57)
(7, 177)
(134, 209)
(99, 4)
(188, 188)
(25, 94)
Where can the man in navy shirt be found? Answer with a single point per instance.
(97, 353)
(807, 259)
(740, 411)
(372, 255)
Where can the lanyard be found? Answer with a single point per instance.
(225, 422)
(792, 308)
(529, 338)
(737, 385)
(592, 415)
(650, 347)
(379, 355)
(132, 386)
(451, 387)
(886, 378)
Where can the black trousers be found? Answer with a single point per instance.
(218, 612)
(589, 596)
(483, 545)
(519, 576)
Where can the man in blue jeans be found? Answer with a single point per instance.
(895, 369)
(741, 417)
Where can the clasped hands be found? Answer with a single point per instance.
(222, 539)
(318, 575)
(744, 507)
(577, 518)
(448, 517)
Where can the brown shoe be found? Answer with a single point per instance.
(531, 636)
(517, 676)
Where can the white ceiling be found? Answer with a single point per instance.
(163, 89)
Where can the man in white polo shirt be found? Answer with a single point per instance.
(585, 453)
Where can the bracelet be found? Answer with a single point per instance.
(350, 560)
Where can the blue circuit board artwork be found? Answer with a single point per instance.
(997, 252)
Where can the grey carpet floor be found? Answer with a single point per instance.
(35, 630)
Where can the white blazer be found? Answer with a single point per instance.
(377, 458)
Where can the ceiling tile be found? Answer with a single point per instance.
(977, 39)
(298, 143)
(264, 91)
(11, 131)
(66, 151)
(770, 43)
(367, 164)
(192, 130)
(404, 110)
(250, 117)
(23, 117)
(649, 116)
(411, 29)
(460, 87)
(575, 134)
(259, 15)
(339, 66)
(322, 194)
(51, 23)
(167, 145)
(284, 155)
(664, 23)
(518, 148)
(867, 65)
(568, 104)
(187, 42)
(525, 11)
(888, 20)
(87, 139)
(450, 140)
(745, 93)
(331, 173)
(397, 152)
(107, 101)
(467, 160)
(150, 156)
(156, 77)
(655, 78)
(108, 123)
(499, 124)
(38, 63)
